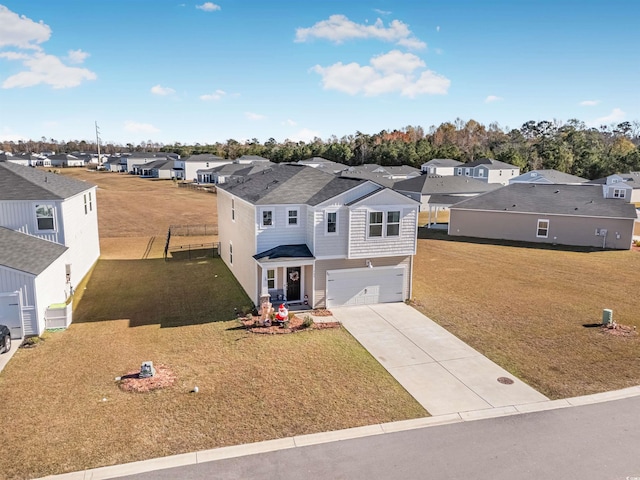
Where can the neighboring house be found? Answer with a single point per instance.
(440, 166)
(63, 160)
(251, 159)
(187, 168)
(311, 237)
(116, 164)
(230, 172)
(548, 176)
(488, 170)
(48, 243)
(435, 192)
(324, 164)
(26, 159)
(140, 158)
(162, 168)
(621, 185)
(385, 176)
(558, 214)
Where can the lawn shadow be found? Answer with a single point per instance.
(155, 292)
(436, 234)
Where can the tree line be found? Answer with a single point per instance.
(570, 147)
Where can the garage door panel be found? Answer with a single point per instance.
(364, 286)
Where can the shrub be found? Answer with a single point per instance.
(307, 322)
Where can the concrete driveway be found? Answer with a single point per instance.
(5, 357)
(444, 374)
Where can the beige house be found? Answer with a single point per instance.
(578, 215)
(310, 237)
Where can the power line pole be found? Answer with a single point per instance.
(98, 142)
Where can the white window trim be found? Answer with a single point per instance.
(326, 222)
(230, 253)
(538, 228)
(275, 278)
(233, 210)
(619, 193)
(382, 224)
(297, 224)
(386, 223)
(55, 223)
(481, 172)
(273, 218)
(467, 172)
(459, 171)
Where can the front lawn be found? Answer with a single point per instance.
(67, 412)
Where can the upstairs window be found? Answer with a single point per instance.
(393, 224)
(90, 203)
(267, 218)
(543, 229)
(44, 217)
(375, 224)
(233, 210)
(292, 217)
(230, 253)
(86, 204)
(618, 193)
(332, 222)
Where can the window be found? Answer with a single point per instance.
(393, 224)
(44, 217)
(86, 204)
(481, 173)
(375, 224)
(459, 171)
(292, 217)
(618, 193)
(230, 253)
(332, 222)
(271, 279)
(90, 203)
(233, 210)
(267, 218)
(467, 171)
(543, 229)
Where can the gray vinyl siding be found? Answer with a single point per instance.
(330, 244)
(563, 230)
(21, 216)
(243, 235)
(13, 280)
(322, 266)
(50, 289)
(363, 246)
(280, 233)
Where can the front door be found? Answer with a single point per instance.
(293, 284)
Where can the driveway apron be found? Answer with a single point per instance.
(444, 374)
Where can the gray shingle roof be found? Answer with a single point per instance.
(18, 182)
(26, 253)
(204, 157)
(443, 184)
(289, 184)
(577, 200)
(553, 176)
(490, 164)
(442, 162)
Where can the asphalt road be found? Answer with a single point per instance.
(599, 441)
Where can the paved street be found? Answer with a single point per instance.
(599, 441)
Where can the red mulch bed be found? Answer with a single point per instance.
(164, 378)
(295, 325)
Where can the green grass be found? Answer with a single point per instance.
(251, 387)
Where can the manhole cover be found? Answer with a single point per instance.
(505, 380)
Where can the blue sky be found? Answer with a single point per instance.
(202, 72)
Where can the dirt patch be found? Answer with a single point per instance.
(321, 312)
(296, 324)
(131, 382)
(619, 330)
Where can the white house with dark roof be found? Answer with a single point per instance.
(578, 215)
(315, 238)
(230, 172)
(488, 170)
(187, 168)
(48, 243)
(548, 176)
(440, 166)
(621, 185)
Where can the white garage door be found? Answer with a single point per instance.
(10, 313)
(364, 286)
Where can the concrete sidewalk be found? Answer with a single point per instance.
(441, 372)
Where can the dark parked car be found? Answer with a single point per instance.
(5, 339)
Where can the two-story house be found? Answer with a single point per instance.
(315, 238)
(488, 170)
(187, 168)
(440, 166)
(48, 243)
(548, 176)
(621, 185)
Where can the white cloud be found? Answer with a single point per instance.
(304, 135)
(162, 91)
(20, 31)
(45, 69)
(338, 28)
(217, 95)
(208, 7)
(616, 115)
(381, 12)
(77, 56)
(589, 103)
(135, 127)
(254, 116)
(492, 98)
(8, 136)
(290, 123)
(437, 28)
(391, 72)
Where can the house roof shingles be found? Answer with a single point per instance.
(25, 253)
(576, 200)
(443, 184)
(290, 252)
(18, 182)
(289, 184)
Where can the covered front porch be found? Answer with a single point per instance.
(285, 273)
